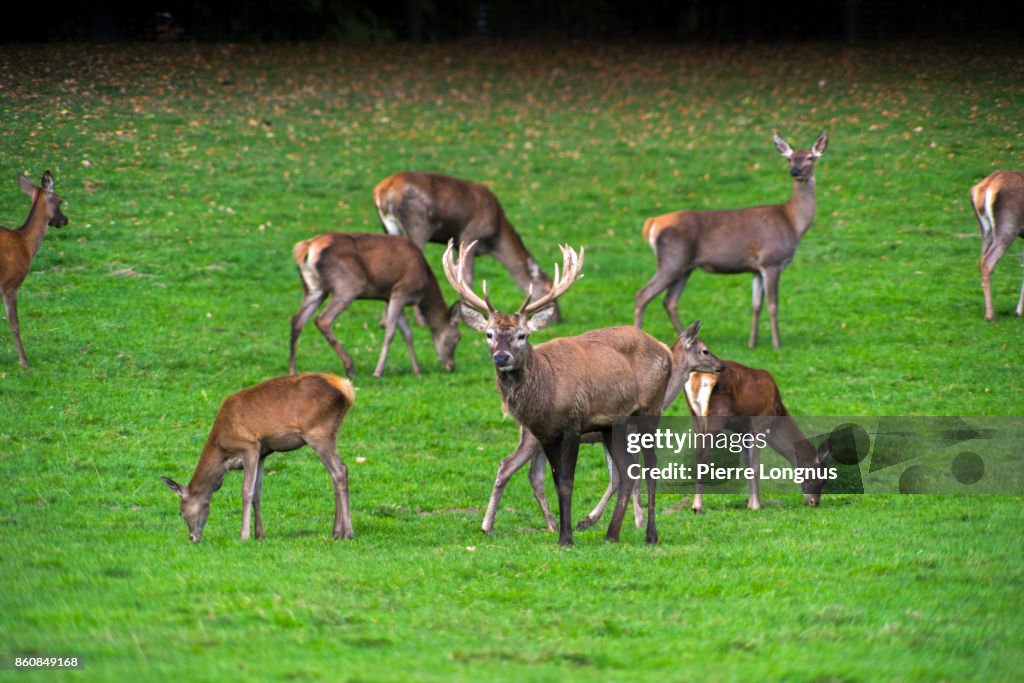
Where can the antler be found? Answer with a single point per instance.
(457, 277)
(571, 264)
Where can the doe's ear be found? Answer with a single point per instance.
(782, 146)
(48, 181)
(174, 486)
(470, 316)
(542, 318)
(820, 145)
(689, 335)
(26, 185)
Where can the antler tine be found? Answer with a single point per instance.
(571, 265)
(457, 277)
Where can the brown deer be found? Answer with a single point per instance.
(567, 387)
(350, 266)
(17, 247)
(998, 202)
(746, 400)
(759, 240)
(279, 415)
(690, 356)
(430, 207)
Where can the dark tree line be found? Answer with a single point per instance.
(446, 20)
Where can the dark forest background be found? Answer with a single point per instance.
(363, 21)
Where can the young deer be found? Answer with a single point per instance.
(17, 247)
(690, 355)
(567, 387)
(278, 415)
(350, 266)
(998, 202)
(759, 240)
(746, 401)
(429, 207)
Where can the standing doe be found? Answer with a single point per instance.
(566, 387)
(759, 240)
(350, 266)
(17, 247)
(690, 356)
(998, 202)
(278, 415)
(746, 400)
(430, 207)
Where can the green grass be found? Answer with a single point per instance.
(189, 171)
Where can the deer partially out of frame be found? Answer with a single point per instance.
(350, 266)
(430, 207)
(759, 240)
(567, 387)
(690, 355)
(17, 247)
(747, 401)
(998, 202)
(278, 415)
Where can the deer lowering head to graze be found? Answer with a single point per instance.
(759, 240)
(349, 266)
(690, 356)
(998, 202)
(746, 400)
(564, 388)
(17, 247)
(430, 207)
(278, 415)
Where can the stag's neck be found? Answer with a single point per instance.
(802, 205)
(521, 389)
(34, 229)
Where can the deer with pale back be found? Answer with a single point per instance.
(349, 266)
(278, 415)
(998, 202)
(18, 247)
(760, 240)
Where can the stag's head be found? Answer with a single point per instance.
(49, 197)
(195, 510)
(801, 162)
(508, 333)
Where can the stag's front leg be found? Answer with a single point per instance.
(626, 486)
(528, 450)
(562, 455)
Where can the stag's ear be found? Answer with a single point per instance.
(47, 181)
(783, 146)
(469, 315)
(820, 144)
(177, 488)
(542, 318)
(26, 185)
(689, 335)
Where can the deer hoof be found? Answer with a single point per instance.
(584, 523)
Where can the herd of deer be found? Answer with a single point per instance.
(563, 392)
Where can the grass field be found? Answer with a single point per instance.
(188, 172)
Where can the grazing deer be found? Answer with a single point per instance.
(759, 240)
(350, 266)
(278, 415)
(429, 207)
(17, 247)
(567, 387)
(690, 355)
(998, 202)
(746, 401)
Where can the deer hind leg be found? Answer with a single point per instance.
(326, 447)
(528, 450)
(1020, 299)
(310, 302)
(671, 301)
(655, 286)
(756, 300)
(325, 322)
(11, 305)
(771, 287)
(754, 463)
(613, 485)
(989, 258)
(403, 326)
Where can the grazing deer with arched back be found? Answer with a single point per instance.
(998, 202)
(17, 247)
(759, 240)
(567, 387)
